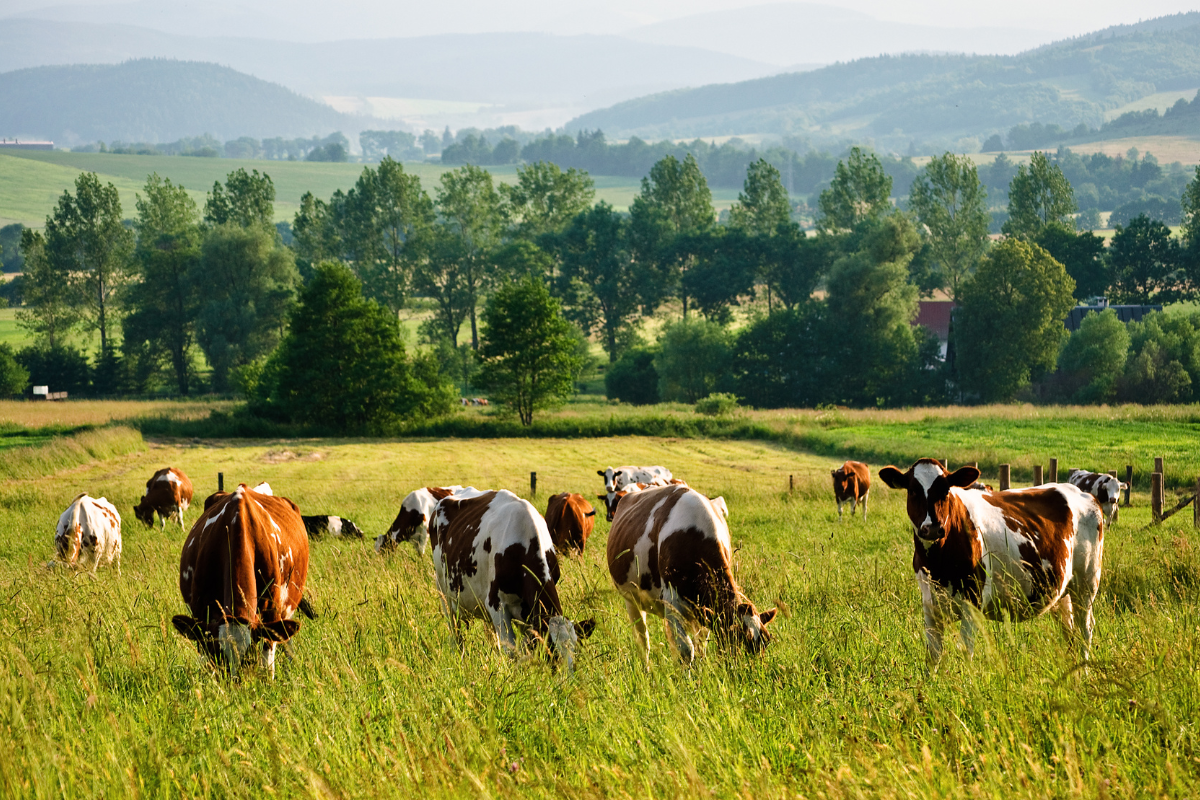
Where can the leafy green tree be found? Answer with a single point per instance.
(342, 364)
(762, 205)
(13, 377)
(726, 265)
(1010, 321)
(1081, 253)
(62, 368)
(1039, 195)
(1164, 357)
(49, 309)
(633, 379)
(470, 209)
(1093, 359)
(951, 202)
(528, 357)
(860, 190)
(781, 361)
(1145, 262)
(1190, 246)
(693, 360)
(246, 199)
(545, 199)
(164, 300)
(88, 247)
(247, 282)
(605, 287)
(794, 263)
(439, 275)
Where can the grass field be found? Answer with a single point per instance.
(99, 696)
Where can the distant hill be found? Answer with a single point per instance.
(900, 100)
(156, 100)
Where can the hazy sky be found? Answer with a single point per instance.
(319, 19)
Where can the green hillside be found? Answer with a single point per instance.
(906, 99)
(155, 100)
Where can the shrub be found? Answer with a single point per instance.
(13, 377)
(693, 361)
(62, 368)
(717, 404)
(633, 378)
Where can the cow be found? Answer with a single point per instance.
(494, 560)
(88, 533)
(669, 554)
(1018, 553)
(318, 526)
(613, 498)
(570, 519)
(616, 478)
(242, 574)
(169, 493)
(412, 522)
(1102, 486)
(851, 484)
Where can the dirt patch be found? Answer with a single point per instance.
(283, 456)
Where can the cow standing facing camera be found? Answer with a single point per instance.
(851, 484)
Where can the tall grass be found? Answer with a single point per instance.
(99, 696)
(64, 452)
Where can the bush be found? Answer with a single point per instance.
(1094, 357)
(717, 404)
(13, 377)
(694, 359)
(633, 378)
(62, 368)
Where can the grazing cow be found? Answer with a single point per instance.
(1102, 486)
(570, 519)
(851, 484)
(1019, 552)
(613, 498)
(89, 532)
(242, 573)
(169, 493)
(617, 478)
(412, 522)
(494, 560)
(318, 526)
(669, 554)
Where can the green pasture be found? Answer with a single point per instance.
(99, 695)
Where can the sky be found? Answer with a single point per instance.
(312, 20)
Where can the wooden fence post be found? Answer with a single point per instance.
(1156, 495)
(791, 483)
(1037, 474)
(220, 481)
(1128, 482)
(1053, 471)
(1005, 477)
(533, 484)
(1158, 467)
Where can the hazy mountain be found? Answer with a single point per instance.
(896, 100)
(790, 33)
(153, 100)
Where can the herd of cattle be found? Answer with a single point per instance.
(244, 562)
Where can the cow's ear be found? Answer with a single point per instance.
(602, 497)
(767, 615)
(591, 513)
(279, 631)
(963, 477)
(188, 627)
(894, 477)
(584, 629)
(600, 472)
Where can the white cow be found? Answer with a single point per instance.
(1102, 486)
(89, 532)
(617, 478)
(412, 521)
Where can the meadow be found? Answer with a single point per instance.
(99, 695)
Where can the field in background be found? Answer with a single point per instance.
(378, 701)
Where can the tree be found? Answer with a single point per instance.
(951, 202)
(164, 301)
(726, 263)
(693, 360)
(438, 274)
(1010, 321)
(49, 309)
(633, 379)
(246, 199)
(762, 205)
(88, 247)
(342, 364)
(13, 377)
(1094, 357)
(528, 357)
(794, 263)
(604, 285)
(470, 210)
(1039, 195)
(247, 283)
(781, 361)
(1190, 204)
(1144, 260)
(1082, 254)
(860, 190)
(545, 199)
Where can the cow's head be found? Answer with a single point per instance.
(350, 529)
(928, 486)
(610, 476)
(144, 513)
(743, 622)
(411, 525)
(564, 636)
(227, 641)
(613, 499)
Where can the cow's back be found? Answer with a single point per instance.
(570, 519)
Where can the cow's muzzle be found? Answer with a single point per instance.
(930, 532)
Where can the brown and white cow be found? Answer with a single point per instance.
(326, 524)
(612, 499)
(412, 521)
(169, 493)
(851, 484)
(242, 573)
(669, 554)
(1018, 553)
(88, 533)
(570, 519)
(494, 560)
(1102, 486)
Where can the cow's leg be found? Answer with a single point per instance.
(676, 614)
(502, 621)
(933, 620)
(853, 505)
(638, 617)
(968, 626)
(269, 655)
(839, 502)
(1065, 609)
(450, 612)
(419, 541)
(864, 502)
